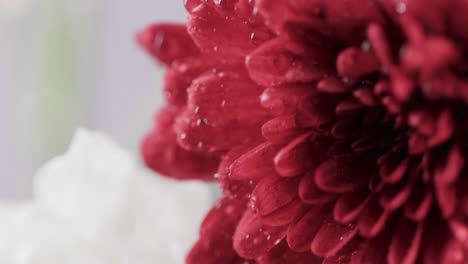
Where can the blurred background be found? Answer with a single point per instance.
(71, 63)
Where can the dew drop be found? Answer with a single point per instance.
(158, 41)
(401, 8)
(223, 103)
(247, 236)
(216, 175)
(365, 46)
(200, 144)
(217, 2)
(206, 121)
(268, 237)
(197, 109)
(183, 136)
(255, 11)
(198, 123)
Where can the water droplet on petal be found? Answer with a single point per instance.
(401, 8)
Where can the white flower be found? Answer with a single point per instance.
(98, 205)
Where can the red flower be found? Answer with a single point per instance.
(342, 126)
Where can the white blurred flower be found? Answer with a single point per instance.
(97, 205)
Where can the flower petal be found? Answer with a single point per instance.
(405, 244)
(254, 164)
(311, 194)
(162, 153)
(332, 237)
(215, 246)
(280, 61)
(342, 174)
(252, 239)
(272, 193)
(208, 27)
(373, 219)
(282, 254)
(281, 129)
(220, 104)
(167, 42)
(350, 205)
(297, 157)
(303, 230)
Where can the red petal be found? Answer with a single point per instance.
(348, 106)
(281, 129)
(406, 241)
(179, 77)
(347, 128)
(282, 254)
(346, 254)
(220, 104)
(208, 27)
(167, 42)
(349, 206)
(451, 169)
(162, 153)
(295, 158)
(317, 109)
(419, 204)
(285, 215)
(372, 250)
(452, 252)
(333, 86)
(332, 237)
(341, 175)
(373, 219)
(281, 61)
(311, 194)
(252, 239)
(329, 18)
(214, 246)
(303, 230)
(391, 173)
(272, 193)
(394, 196)
(281, 100)
(446, 197)
(230, 186)
(255, 164)
(354, 64)
(459, 230)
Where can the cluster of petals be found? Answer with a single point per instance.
(337, 128)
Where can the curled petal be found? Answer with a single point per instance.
(311, 194)
(302, 231)
(332, 237)
(215, 246)
(167, 42)
(341, 175)
(280, 61)
(405, 244)
(220, 104)
(162, 153)
(208, 29)
(252, 239)
(272, 193)
(254, 164)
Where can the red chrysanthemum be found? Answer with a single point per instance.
(341, 126)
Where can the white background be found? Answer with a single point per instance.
(71, 63)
